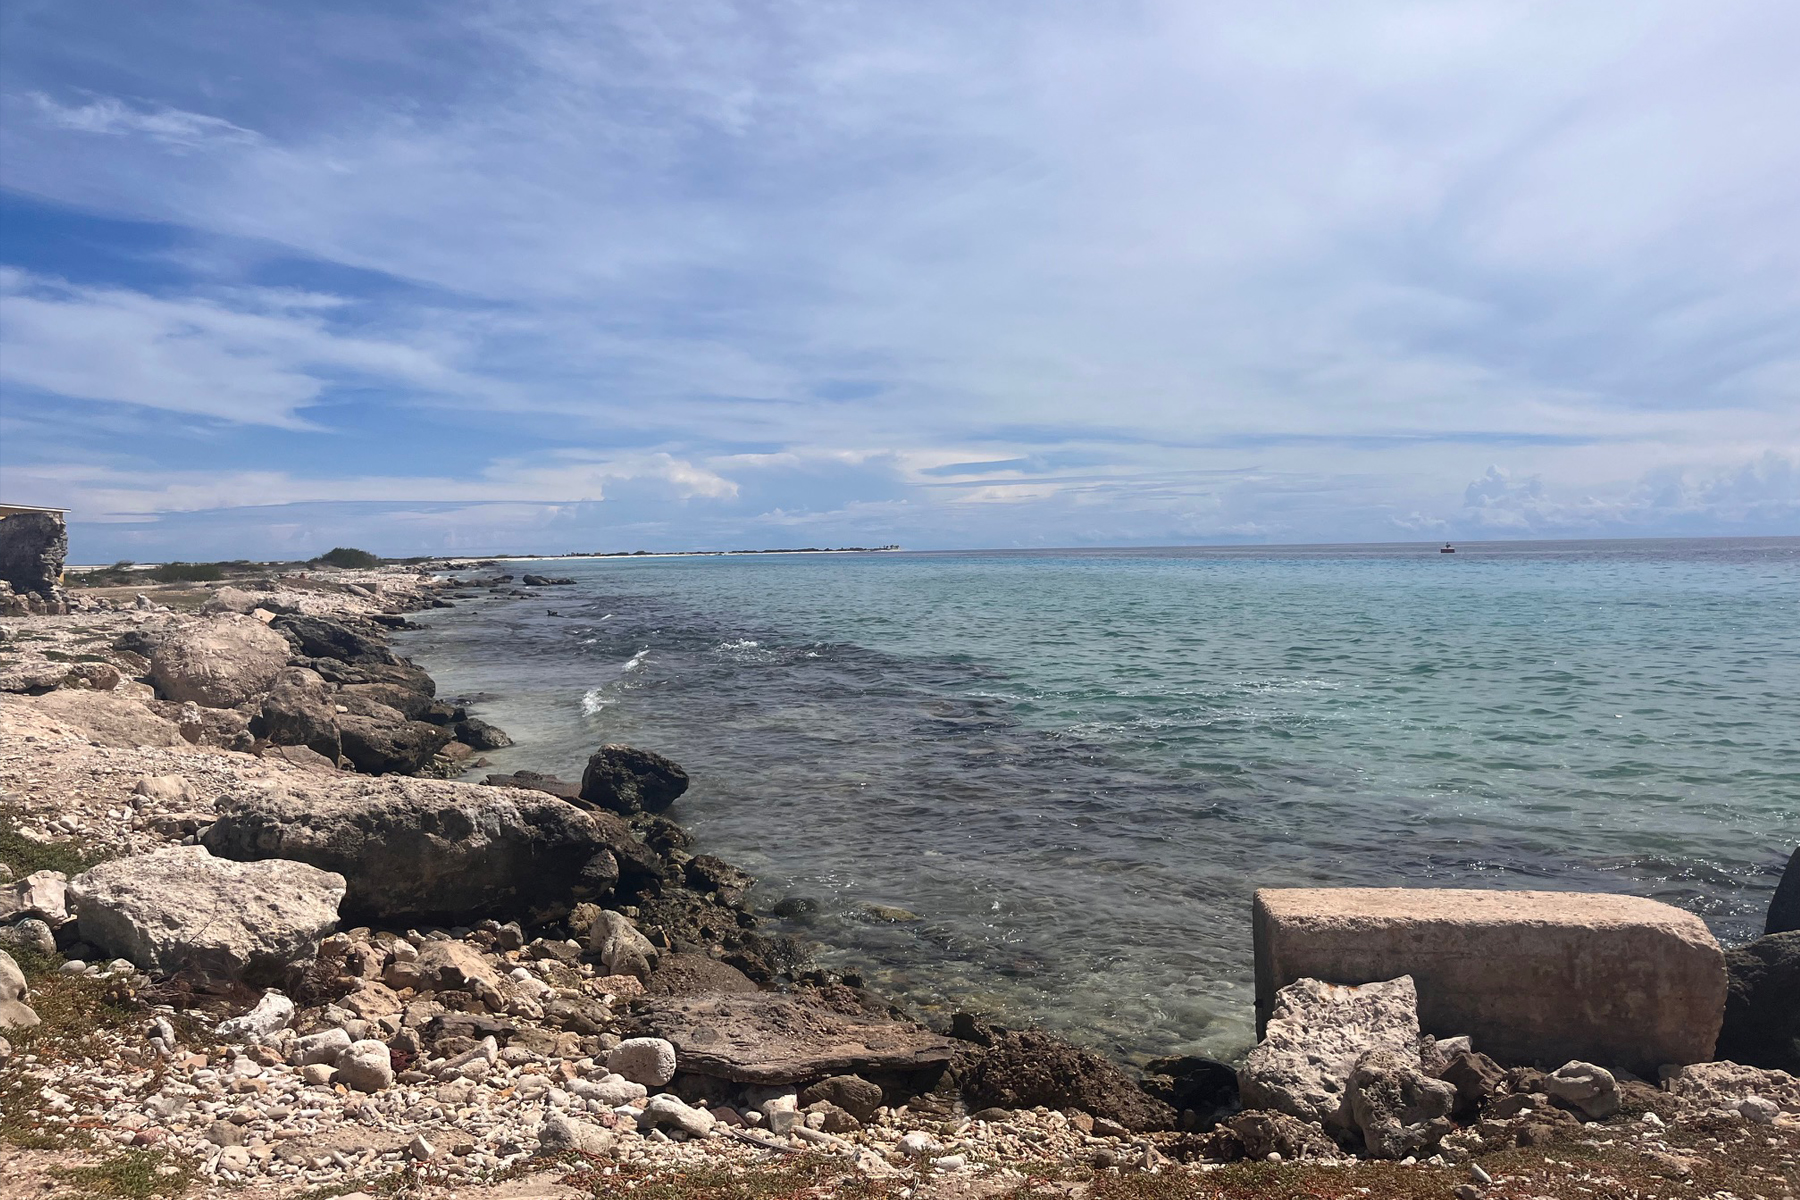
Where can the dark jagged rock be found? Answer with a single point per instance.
(624, 779)
(1476, 1078)
(402, 673)
(1762, 1004)
(478, 734)
(706, 873)
(298, 712)
(426, 849)
(1028, 1068)
(366, 699)
(695, 975)
(1784, 909)
(855, 1095)
(322, 637)
(770, 1038)
(1190, 1083)
(381, 741)
(545, 581)
(676, 918)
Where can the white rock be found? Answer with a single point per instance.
(365, 1066)
(668, 1112)
(621, 949)
(322, 1047)
(782, 1113)
(609, 1090)
(165, 789)
(14, 1012)
(559, 1132)
(1318, 1031)
(272, 1013)
(919, 1144)
(646, 1060)
(1589, 1088)
(41, 894)
(1759, 1110)
(421, 1149)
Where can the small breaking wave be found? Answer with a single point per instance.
(595, 701)
(635, 661)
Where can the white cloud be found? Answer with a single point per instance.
(250, 356)
(168, 126)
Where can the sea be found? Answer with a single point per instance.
(1043, 785)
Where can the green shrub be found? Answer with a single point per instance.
(349, 558)
(186, 572)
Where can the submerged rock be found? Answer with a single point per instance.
(1315, 1037)
(428, 848)
(624, 779)
(182, 908)
(1027, 1068)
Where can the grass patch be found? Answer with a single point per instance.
(805, 1177)
(25, 856)
(75, 1011)
(129, 1174)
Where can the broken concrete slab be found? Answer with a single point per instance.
(1532, 977)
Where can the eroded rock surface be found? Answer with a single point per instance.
(218, 663)
(182, 908)
(772, 1039)
(1318, 1031)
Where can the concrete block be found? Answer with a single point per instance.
(1533, 977)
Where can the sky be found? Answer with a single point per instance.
(462, 277)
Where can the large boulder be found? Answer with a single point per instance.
(1028, 1068)
(1724, 1087)
(322, 637)
(1784, 909)
(381, 741)
(108, 719)
(1532, 977)
(1191, 1083)
(1762, 1004)
(430, 848)
(770, 1038)
(33, 546)
(1316, 1035)
(218, 663)
(624, 779)
(182, 908)
(298, 711)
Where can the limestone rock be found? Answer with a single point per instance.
(323, 637)
(33, 546)
(109, 719)
(1263, 1133)
(29, 934)
(41, 894)
(365, 1066)
(624, 779)
(1027, 1068)
(1722, 1087)
(650, 1061)
(621, 949)
(1312, 1042)
(322, 1047)
(706, 873)
(695, 975)
(231, 600)
(479, 735)
(1586, 1087)
(668, 1112)
(298, 712)
(610, 1090)
(271, 1014)
(559, 1133)
(165, 789)
(1762, 1003)
(1540, 977)
(417, 848)
(218, 663)
(381, 741)
(14, 1012)
(769, 1038)
(1476, 1078)
(852, 1093)
(1397, 1108)
(183, 908)
(449, 966)
(1784, 910)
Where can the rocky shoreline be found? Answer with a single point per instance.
(272, 941)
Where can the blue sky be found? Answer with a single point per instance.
(478, 276)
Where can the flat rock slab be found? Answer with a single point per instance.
(778, 1039)
(1532, 977)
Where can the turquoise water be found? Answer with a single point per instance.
(1072, 768)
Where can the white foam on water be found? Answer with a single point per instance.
(594, 701)
(635, 661)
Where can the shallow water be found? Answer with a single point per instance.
(1073, 767)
